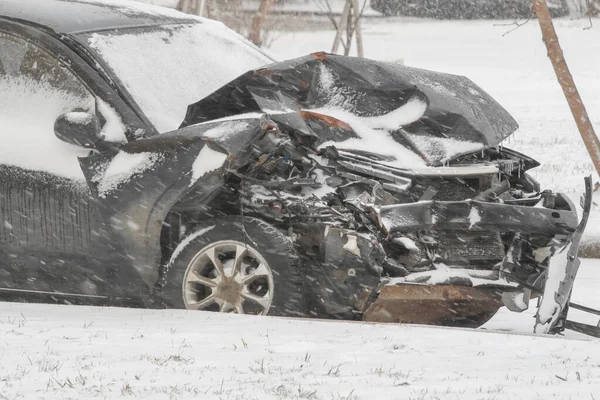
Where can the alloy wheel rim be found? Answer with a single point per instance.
(228, 276)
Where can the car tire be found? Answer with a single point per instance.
(244, 266)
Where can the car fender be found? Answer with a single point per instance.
(163, 169)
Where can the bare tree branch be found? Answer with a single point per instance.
(329, 14)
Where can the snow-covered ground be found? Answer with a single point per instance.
(512, 67)
(72, 352)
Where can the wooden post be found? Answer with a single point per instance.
(259, 19)
(341, 28)
(567, 83)
(358, 30)
(349, 29)
(350, 23)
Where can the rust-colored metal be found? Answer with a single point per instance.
(321, 56)
(263, 71)
(326, 119)
(434, 305)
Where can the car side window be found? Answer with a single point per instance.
(36, 88)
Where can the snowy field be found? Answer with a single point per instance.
(71, 352)
(512, 67)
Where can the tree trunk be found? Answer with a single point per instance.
(358, 30)
(566, 82)
(259, 20)
(341, 28)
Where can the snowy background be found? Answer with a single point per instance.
(50, 351)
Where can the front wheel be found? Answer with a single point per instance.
(227, 266)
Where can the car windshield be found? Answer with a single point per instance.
(166, 68)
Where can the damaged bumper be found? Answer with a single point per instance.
(445, 304)
(435, 305)
(476, 216)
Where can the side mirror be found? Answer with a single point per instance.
(79, 128)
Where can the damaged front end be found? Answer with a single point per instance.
(393, 186)
(447, 245)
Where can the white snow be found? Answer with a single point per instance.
(176, 66)
(28, 110)
(227, 128)
(73, 352)
(474, 216)
(374, 131)
(78, 117)
(410, 112)
(370, 139)
(163, 3)
(208, 160)
(444, 274)
(250, 115)
(114, 129)
(408, 244)
(122, 168)
(442, 149)
(186, 241)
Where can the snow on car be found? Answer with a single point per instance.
(187, 169)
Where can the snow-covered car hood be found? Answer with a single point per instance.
(436, 116)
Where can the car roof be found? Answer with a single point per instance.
(74, 16)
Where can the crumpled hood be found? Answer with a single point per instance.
(435, 115)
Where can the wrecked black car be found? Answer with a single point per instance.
(324, 186)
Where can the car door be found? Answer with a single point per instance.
(48, 216)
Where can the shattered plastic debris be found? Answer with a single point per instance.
(549, 308)
(351, 245)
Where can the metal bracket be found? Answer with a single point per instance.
(558, 321)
